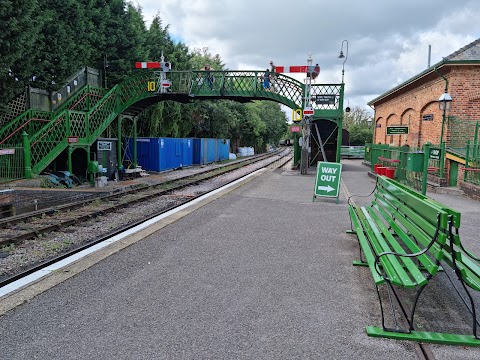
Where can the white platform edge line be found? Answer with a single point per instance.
(5, 290)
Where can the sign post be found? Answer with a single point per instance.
(327, 183)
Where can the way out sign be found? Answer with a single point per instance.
(327, 183)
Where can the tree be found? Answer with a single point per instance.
(356, 124)
(20, 23)
(125, 40)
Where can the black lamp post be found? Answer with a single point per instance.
(342, 56)
(444, 103)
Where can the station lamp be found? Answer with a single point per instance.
(342, 56)
(444, 101)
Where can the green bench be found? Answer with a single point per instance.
(405, 238)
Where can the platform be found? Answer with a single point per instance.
(262, 272)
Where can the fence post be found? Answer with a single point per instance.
(27, 159)
(426, 155)
(467, 160)
(442, 159)
(475, 142)
(69, 160)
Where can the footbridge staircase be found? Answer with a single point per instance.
(38, 137)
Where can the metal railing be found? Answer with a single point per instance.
(11, 164)
(407, 165)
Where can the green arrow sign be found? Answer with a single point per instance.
(328, 179)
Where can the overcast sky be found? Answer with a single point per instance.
(387, 40)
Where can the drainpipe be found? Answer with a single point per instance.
(442, 154)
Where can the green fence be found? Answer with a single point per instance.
(11, 164)
(355, 152)
(405, 164)
(472, 161)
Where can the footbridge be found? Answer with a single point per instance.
(32, 140)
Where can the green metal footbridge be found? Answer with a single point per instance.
(32, 140)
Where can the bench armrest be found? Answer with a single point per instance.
(413, 255)
(460, 245)
(355, 195)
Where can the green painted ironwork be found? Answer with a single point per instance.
(424, 336)
(33, 121)
(11, 163)
(87, 114)
(357, 152)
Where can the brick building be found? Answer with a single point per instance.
(414, 103)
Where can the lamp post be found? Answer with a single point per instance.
(444, 103)
(105, 66)
(342, 56)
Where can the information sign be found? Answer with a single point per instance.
(7, 151)
(327, 183)
(435, 153)
(308, 111)
(324, 99)
(397, 130)
(294, 128)
(104, 145)
(72, 139)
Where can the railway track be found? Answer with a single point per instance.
(37, 223)
(76, 220)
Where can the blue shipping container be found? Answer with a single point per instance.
(206, 151)
(210, 149)
(223, 149)
(160, 154)
(198, 152)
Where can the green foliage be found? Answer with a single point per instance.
(43, 42)
(356, 123)
(19, 36)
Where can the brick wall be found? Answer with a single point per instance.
(470, 190)
(416, 105)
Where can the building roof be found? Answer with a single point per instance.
(468, 53)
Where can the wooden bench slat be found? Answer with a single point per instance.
(416, 214)
(455, 214)
(421, 206)
(469, 269)
(367, 251)
(414, 276)
(430, 265)
(390, 263)
(422, 231)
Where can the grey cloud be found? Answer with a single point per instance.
(386, 38)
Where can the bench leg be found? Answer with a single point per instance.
(470, 308)
(359, 263)
(424, 336)
(408, 316)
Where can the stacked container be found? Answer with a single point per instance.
(160, 154)
(205, 151)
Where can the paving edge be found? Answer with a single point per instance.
(28, 292)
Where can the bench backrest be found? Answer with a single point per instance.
(454, 213)
(449, 247)
(414, 220)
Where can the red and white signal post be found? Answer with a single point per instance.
(162, 84)
(308, 111)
